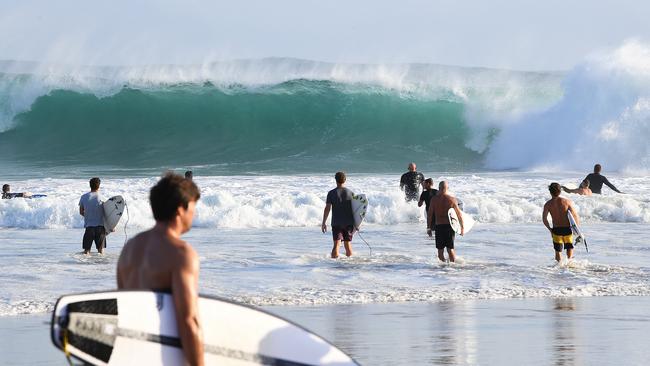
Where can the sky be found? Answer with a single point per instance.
(507, 34)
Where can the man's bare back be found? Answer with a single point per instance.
(441, 205)
(558, 208)
(151, 260)
(158, 259)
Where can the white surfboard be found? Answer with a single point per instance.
(113, 210)
(580, 237)
(468, 221)
(359, 209)
(139, 328)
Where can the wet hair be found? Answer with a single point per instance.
(94, 183)
(597, 168)
(189, 174)
(555, 189)
(5, 188)
(429, 181)
(171, 192)
(340, 177)
(587, 183)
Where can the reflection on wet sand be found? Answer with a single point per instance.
(563, 331)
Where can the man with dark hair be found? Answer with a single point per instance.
(90, 207)
(438, 213)
(339, 200)
(596, 181)
(561, 232)
(410, 183)
(189, 175)
(158, 259)
(425, 198)
(6, 193)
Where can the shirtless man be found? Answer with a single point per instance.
(561, 230)
(158, 259)
(440, 205)
(583, 190)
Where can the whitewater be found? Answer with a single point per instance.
(264, 138)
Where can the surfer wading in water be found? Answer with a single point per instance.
(158, 259)
(561, 232)
(596, 181)
(339, 201)
(90, 207)
(410, 183)
(438, 213)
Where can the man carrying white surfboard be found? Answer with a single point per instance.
(158, 259)
(339, 201)
(90, 207)
(561, 232)
(445, 235)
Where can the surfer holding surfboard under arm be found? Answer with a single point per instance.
(561, 232)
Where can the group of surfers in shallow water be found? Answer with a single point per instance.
(159, 259)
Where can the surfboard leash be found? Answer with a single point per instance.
(128, 217)
(364, 240)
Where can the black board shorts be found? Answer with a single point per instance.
(96, 234)
(344, 233)
(445, 236)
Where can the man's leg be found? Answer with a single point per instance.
(558, 251)
(87, 240)
(569, 252)
(335, 250)
(348, 248)
(452, 254)
(441, 254)
(100, 239)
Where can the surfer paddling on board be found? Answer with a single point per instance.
(6, 193)
(596, 181)
(158, 259)
(339, 201)
(583, 190)
(438, 213)
(410, 183)
(90, 207)
(561, 232)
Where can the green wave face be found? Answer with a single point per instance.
(293, 127)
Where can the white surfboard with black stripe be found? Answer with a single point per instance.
(139, 328)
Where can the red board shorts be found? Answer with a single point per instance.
(344, 233)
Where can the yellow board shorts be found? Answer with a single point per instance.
(562, 236)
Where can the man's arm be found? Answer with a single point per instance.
(607, 183)
(430, 217)
(545, 217)
(185, 283)
(402, 183)
(421, 201)
(326, 212)
(81, 210)
(567, 190)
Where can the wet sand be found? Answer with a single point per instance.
(542, 331)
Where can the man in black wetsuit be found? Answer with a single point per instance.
(6, 194)
(425, 198)
(596, 181)
(410, 183)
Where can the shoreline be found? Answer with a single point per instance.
(531, 331)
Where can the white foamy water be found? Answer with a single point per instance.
(259, 242)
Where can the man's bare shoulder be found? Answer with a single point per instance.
(185, 254)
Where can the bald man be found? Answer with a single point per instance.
(410, 183)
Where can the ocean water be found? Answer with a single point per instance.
(264, 138)
(260, 242)
(288, 116)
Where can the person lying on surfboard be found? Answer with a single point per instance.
(339, 201)
(561, 232)
(6, 193)
(158, 259)
(583, 190)
(440, 205)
